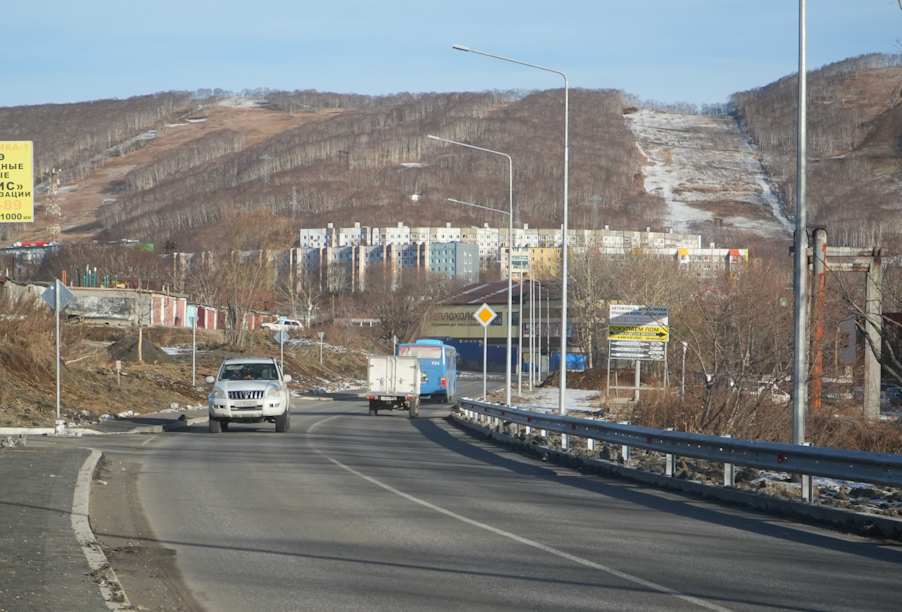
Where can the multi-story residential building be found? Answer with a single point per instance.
(399, 234)
(445, 234)
(536, 252)
(454, 259)
(712, 261)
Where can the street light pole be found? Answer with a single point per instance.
(510, 250)
(564, 268)
(520, 340)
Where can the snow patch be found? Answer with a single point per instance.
(696, 162)
(241, 102)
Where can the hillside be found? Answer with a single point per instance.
(708, 175)
(237, 173)
(854, 131)
(172, 148)
(309, 162)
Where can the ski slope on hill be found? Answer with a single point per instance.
(708, 173)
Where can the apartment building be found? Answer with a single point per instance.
(536, 253)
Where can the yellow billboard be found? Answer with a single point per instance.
(16, 181)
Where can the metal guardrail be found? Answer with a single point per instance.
(871, 468)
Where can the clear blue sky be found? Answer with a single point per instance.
(669, 50)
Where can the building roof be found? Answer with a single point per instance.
(494, 293)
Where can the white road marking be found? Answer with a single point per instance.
(312, 427)
(548, 549)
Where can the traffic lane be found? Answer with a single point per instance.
(727, 555)
(354, 547)
(500, 560)
(283, 522)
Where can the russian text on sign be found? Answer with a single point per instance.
(17, 186)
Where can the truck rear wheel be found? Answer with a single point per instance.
(374, 407)
(414, 409)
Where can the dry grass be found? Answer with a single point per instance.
(836, 426)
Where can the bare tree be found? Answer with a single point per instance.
(235, 282)
(402, 304)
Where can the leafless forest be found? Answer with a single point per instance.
(365, 163)
(78, 138)
(854, 132)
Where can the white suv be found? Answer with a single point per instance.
(249, 390)
(286, 324)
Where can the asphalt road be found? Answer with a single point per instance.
(351, 512)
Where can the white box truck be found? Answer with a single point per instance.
(393, 383)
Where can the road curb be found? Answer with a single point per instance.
(101, 571)
(844, 520)
(74, 432)
(313, 398)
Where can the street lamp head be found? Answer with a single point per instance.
(433, 137)
(460, 47)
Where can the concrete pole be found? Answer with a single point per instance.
(874, 322)
(817, 344)
(800, 275)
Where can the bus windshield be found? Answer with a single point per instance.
(422, 352)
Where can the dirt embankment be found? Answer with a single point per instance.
(146, 382)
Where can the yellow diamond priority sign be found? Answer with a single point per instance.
(485, 315)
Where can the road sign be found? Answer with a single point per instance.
(634, 322)
(485, 315)
(282, 336)
(16, 181)
(622, 314)
(639, 332)
(49, 295)
(638, 349)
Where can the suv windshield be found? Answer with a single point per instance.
(248, 371)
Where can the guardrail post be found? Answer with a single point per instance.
(624, 449)
(528, 430)
(565, 441)
(590, 444)
(807, 483)
(544, 433)
(669, 461)
(729, 471)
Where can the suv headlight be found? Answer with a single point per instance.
(218, 393)
(273, 391)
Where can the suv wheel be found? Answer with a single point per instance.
(215, 426)
(282, 421)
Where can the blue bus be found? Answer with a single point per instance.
(438, 368)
